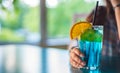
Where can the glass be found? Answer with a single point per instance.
(91, 71)
(91, 46)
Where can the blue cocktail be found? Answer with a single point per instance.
(90, 44)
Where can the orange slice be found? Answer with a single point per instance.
(78, 28)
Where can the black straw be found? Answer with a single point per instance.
(95, 11)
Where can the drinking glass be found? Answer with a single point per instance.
(90, 44)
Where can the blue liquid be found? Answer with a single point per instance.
(91, 71)
(92, 52)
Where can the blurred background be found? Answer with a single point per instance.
(42, 23)
(35, 22)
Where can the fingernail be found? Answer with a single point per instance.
(79, 66)
(83, 63)
(81, 55)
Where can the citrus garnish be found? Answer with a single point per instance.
(78, 28)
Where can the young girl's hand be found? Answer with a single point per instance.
(75, 60)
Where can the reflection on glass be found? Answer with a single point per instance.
(33, 59)
(16, 59)
(0, 27)
(1, 61)
(91, 71)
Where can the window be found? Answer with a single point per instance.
(61, 15)
(19, 21)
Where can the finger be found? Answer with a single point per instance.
(77, 51)
(75, 57)
(78, 60)
(75, 64)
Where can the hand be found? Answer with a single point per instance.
(75, 60)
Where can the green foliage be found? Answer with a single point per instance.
(8, 35)
(32, 19)
(61, 17)
(21, 17)
(9, 21)
(0, 1)
(13, 18)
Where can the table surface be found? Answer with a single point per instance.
(33, 59)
